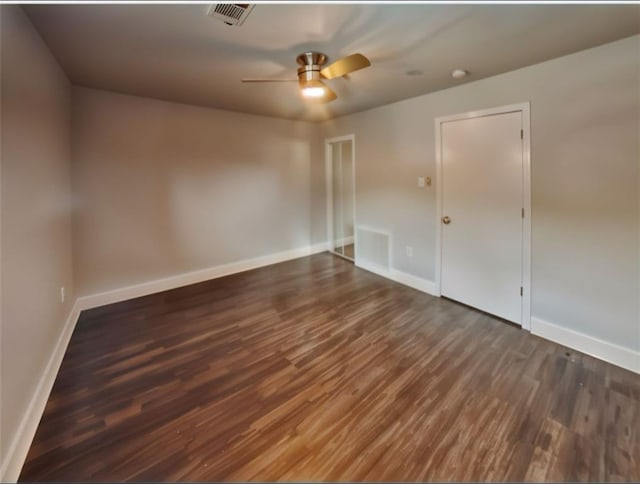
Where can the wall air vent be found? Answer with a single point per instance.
(230, 13)
(373, 250)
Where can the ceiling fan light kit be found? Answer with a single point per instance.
(311, 73)
(313, 92)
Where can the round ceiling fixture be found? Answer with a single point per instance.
(459, 73)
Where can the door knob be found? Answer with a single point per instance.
(446, 220)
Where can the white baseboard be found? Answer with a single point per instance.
(187, 278)
(19, 446)
(401, 277)
(416, 282)
(13, 461)
(603, 350)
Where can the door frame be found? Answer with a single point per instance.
(523, 108)
(328, 164)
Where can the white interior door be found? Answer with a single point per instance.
(482, 213)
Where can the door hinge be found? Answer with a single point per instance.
(521, 291)
(522, 134)
(522, 212)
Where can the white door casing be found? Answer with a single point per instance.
(483, 187)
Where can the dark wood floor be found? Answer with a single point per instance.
(315, 370)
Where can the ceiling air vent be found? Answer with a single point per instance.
(230, 13)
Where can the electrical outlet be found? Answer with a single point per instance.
(62, 294)
(409, 251)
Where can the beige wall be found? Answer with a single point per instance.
(35, 258)
(585, 127)
(317, 193)
(164, 188)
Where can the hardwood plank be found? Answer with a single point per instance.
(315, 370)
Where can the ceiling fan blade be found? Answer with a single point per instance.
(345, 65)
(269, 80)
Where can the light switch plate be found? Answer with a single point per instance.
(420, 182)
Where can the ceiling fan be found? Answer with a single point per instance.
(311, 73)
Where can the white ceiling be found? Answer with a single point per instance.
(177, 53)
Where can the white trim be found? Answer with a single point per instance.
(526, 223)
(19, 446)
(353, 192)
(416, 282)
(328, 160)
(185, 279)
(524, 108)
(603, 350)
(509, 108)
(438, 251)
(401, 277)
(375, 268)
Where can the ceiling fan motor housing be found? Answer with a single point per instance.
(310, 65)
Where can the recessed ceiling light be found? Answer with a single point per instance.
(458, 73)
(414, 72)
